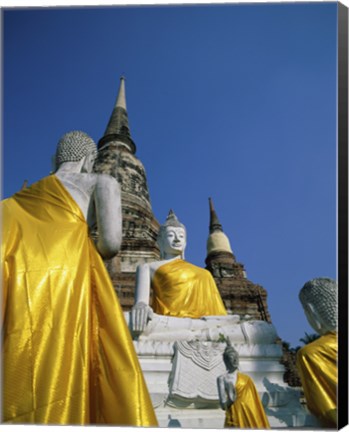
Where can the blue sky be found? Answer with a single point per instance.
(236, 102)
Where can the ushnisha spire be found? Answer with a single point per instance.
(172, 220)
(215, 225)
(118, 130)
(217, 241)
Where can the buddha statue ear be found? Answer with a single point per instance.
(88, 162)
(185, 245)
(314, 318)
(159, 241)
(53, 164)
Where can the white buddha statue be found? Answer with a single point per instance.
(317, 361)
(97, 195)
(180, 289)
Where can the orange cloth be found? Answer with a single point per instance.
(317, 365)
(182, 289)
(68, 357)
(247, 411)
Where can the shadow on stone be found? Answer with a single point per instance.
(173, 422)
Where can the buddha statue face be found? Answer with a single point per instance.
(320, 304)
(172, 237)
(173, 240)
(231, 359)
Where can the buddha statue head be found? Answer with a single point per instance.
(231, 358)
(75, 146)
(172, 237)
(319, 298)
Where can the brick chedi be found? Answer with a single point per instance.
(116, 156)
(240, 296)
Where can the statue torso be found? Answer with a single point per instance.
(182, 289)
(81, 187)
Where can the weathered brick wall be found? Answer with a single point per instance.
(240, 296)
(139, 226)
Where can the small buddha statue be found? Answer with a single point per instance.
(317, 361)
(180, 289)
(238, 396)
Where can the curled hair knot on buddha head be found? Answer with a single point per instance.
(73, 146)
(319, 298)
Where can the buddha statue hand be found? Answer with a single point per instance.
(141, 313)
(231, 390)
(226, 390)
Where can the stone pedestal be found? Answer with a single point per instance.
(181, 374)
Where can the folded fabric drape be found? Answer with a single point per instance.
(182, 289)
(247, 411)
(68, 357)
(317, 366)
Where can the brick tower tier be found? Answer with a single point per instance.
(116, 157)
(240, 296)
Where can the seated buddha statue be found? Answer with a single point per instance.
(180, 289)
(317, 361)
(238, 396)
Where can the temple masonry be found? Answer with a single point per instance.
(117, 157)
(240, 296)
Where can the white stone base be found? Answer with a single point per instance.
(184, 396)
(214, 419)
(193, 419)
(281, 403)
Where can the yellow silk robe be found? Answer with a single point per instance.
(182, 289)
(317, 365)
(247, 411)
(68, 357)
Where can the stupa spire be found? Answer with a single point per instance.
(215, 225)
(118, 130)
(121, 99)
(240, 296)
(217, 240)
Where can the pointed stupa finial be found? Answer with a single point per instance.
(215, 225)
(121, 99)
(118, 130)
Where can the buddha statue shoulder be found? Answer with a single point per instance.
(180, 289)
(97, 195)
(317, 361)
